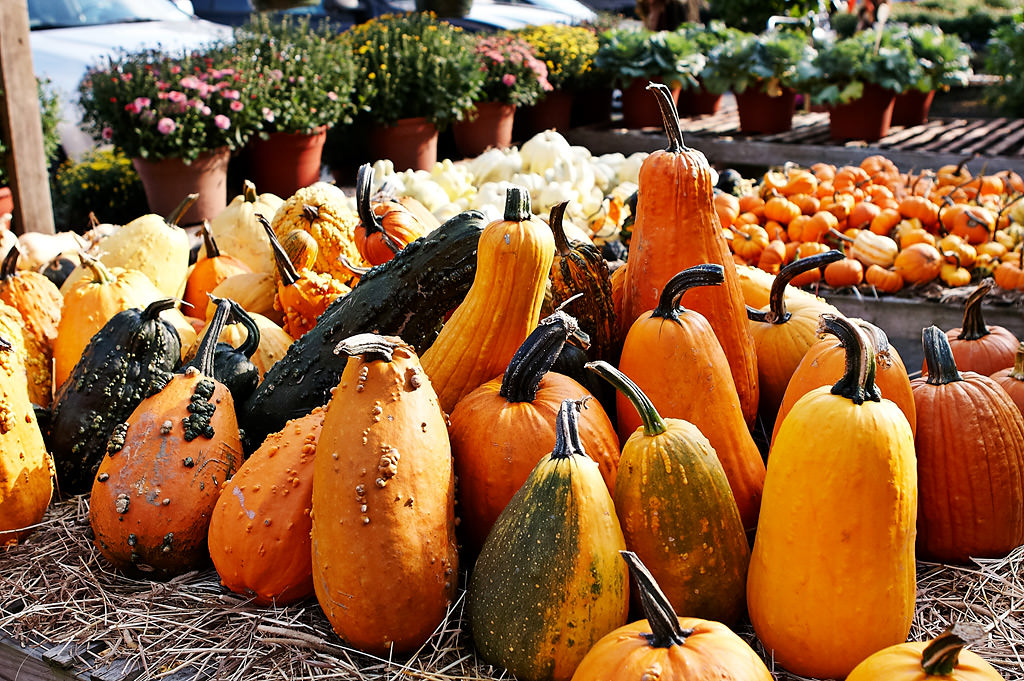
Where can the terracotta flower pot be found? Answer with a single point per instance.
(490, 125)
(411, 143)
(912, 107)
(592, 106)
(286, 162)
(761, 113)
(698, 102)
(640, 106)
(552, 112)
(867, 118)
(168, 181)
(6, 200)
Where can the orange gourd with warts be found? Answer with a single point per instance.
(676, 227)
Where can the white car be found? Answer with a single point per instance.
(69, 36)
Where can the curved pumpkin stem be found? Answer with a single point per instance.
(175, 216)
(100, 273)
(284, 264)
(777, 313)
(670, 303)
(567, 430)
(941, 656)
(879, 342)
(938, 357)
(209, 243)
(658, 610)
(536, 355)
(154, 309)
(249, 194)
(973, 326)
(9, 268)
(369, 220)
(252, 331)
(354, 269)
(652, 422)
(555, 218)
(370, 345)
(858, 381)
(517, 205)
(203, 361)
(669, 118)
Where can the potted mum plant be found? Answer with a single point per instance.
(945, 62)
(568, 53)
(764, 72)
(302, 76)
(414, 76)
(177, 116)
(513, 77)
(634, 57)
(859, 83)
(702, 100)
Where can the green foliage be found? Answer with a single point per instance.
(767, 62)
(753, 15)
(1005, 57)
(49, 110)
(972, 20)
(412, 64)
(945, 59)
(628, 53)
(302, 74)
(843, 67)
(103, 183)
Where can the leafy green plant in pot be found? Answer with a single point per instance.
(634, 57)
(1004, 56)
(945, 62)
(704, 99)
(764, 72)
(303, 76)
(859, 83)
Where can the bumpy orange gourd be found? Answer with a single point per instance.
(384, 501)
(943, 657)
(971, 468)
(835, 539)
(503, 305)
(26, 470)
(158, 484)
(503, 428)
(259, 530)
(668, 647)
(673, 355)
(677, 227)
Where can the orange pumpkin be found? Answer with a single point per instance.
(943, 657)
(885, 280)
(210, 271)
(918, 263)
(1012, 379)
(385, 227)
(977, 347)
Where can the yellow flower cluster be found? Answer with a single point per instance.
(568, 52)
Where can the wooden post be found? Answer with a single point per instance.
(21, 123)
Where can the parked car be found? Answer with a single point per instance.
(68, 36)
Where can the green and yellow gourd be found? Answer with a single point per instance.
(502, 307)
(832, 572)
(678, 513)
(549, 581)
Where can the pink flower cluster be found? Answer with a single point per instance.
(191, 92)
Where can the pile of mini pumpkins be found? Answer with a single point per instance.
(304, 421)
(897, 229)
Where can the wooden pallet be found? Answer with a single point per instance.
(992, 143)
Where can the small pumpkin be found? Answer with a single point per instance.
(944, 657)
(976, 346)
(666, 646)
(210, 271)
(874, 249)
(1012, 379)
(884, 280)
(918, 263)
(385, 227)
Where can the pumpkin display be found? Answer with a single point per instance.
(210, 271)
(677, 511)
(976, 346)
(666, 646)
(502, 307)
(164, 467)
(130, 358)
(983, 456)
(1012, 379)
(259, 530)
(677, 227)
(239, 233)
(548, 582)
(885, 280)
(39, 301)
(943, 657)
(835, 538)
(918, 263)
(578, 268)
(668, 352)
(500, 430)
(385, 227)
(383, 501)
(784, 330)
(26, 471)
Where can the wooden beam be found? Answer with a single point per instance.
(21, 123)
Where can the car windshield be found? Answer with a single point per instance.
(43, 14)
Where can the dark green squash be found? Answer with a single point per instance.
(232, 366)
(549, 582)
(407, 296)
(132, 357)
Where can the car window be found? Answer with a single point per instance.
(43, 14)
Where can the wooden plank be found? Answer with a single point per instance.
(932, 133)
(984, 141)
(21, 123)
(949, 139)
(981, 132)
(1006, 143)
(908, 133)
(19, 663)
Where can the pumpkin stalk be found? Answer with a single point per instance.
(100, 273)
(175, 215)
(555, 218)
(203, 361)
(941, 656)
(670, 302)
(209, 243)
(10, 264)
(370, 345)
(653, 424)
(249, 194)
(517, 205)
(536, 355)
(669, 118)
(1018, 364)
(938, 357)
(567, 432)
(777, 313)
(858, 381)
(973, 326)
(665, 629)
(284, 264)
(252, 331)
(367, 218)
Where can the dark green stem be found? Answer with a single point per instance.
(252, 331)
(154, 309)
(536, 355)
(368, 220)
(858, 381)
(670, 301)
(973, 326)
(517, 204)
(941, 656)
(203, 361)
(10, 264)
(661, 616)
(938, 357)
(652, 422)
(567, 430)
(285, 267)
(777, 313)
